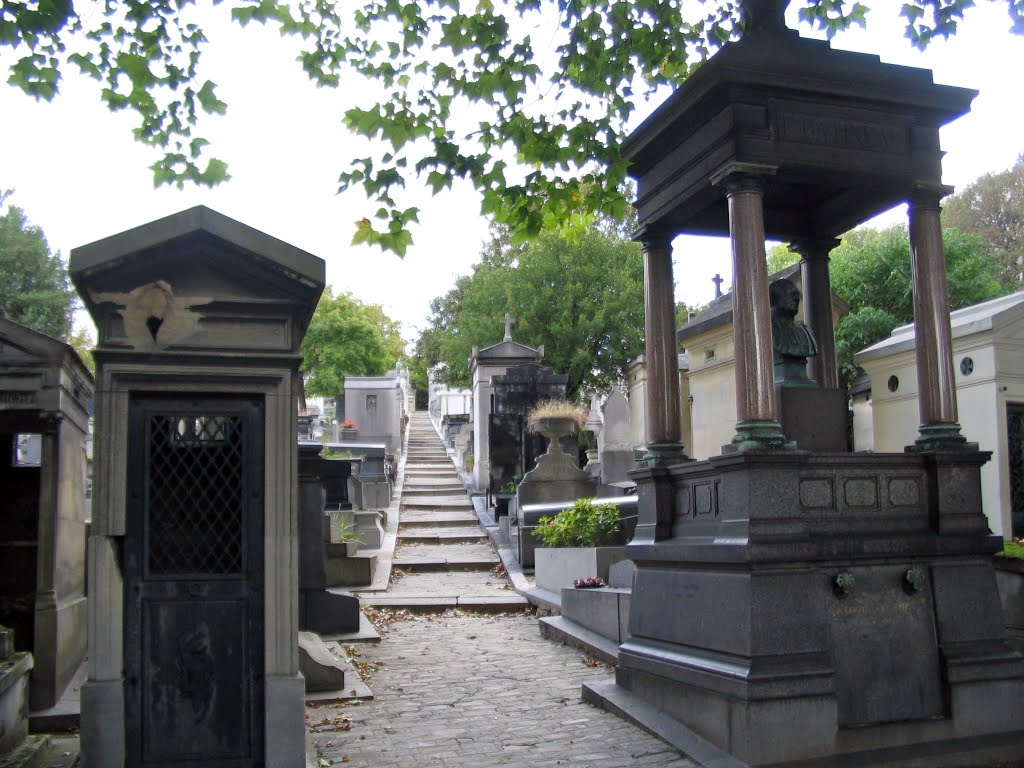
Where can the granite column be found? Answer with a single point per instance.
(661, 415)
(817, 290)
(933, 336)
(757, 423)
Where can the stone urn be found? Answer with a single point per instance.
(554, 428)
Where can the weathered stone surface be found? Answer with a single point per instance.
(321, 670)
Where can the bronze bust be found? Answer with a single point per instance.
(792, 341)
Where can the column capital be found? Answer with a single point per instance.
(653, 238)
(927, 196)
(742, 177)
(814, 247)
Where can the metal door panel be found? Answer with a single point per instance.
(193, 584)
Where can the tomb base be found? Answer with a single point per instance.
(824, 609)
(815, 419)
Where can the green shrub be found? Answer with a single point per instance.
(584, 524)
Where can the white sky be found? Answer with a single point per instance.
(79, 175)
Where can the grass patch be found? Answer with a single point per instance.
(1013, 548)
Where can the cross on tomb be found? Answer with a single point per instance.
(717, 280)
(509, 321)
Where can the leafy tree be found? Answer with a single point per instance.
(463, 87)
(83, 343)
(581, 299)
(35, 289)
(993, 209)
(345, 338)
(780, 257)
(870, 271)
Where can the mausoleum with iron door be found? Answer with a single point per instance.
(193, 575)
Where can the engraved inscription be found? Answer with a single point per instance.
(904, 491)
(861, 492)
(15, 399)
(704, 499)
(817, 493)
(845, 134)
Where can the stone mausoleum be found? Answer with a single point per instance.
(193, 563)
(793, 607)
(46, 396)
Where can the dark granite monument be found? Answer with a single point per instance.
(513, 448)
(45, 400)
(319, 610)
(791, 607)
(193, 567)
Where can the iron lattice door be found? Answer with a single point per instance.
(193, 574)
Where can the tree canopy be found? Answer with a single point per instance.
(581, 299)
(35, 289)
(992, 207)
(347, 338)
(466, 91)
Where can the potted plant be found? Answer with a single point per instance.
(581, 542)
(555, 419)
(348, 431)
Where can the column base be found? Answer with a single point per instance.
(664, 454)
(940, 437)
(758, 435)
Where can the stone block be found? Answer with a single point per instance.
(557, 568)
(14, 700)
(1010, 583)
(815, 418)
(368, 528)
(355, 571)
(285, 721)
(620, 574)
(328, 612)
(599, 610)
(319, 667)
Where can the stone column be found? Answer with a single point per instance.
(817, 290)
(757, 423)
(661, 405)
(933, 338)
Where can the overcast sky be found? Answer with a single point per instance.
(78, 174)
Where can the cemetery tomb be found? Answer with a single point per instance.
(193, 629)
(484, 364)
(513, 448)
(45, 401)
(794, 606)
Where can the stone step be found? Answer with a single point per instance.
(420, 492)
(433, 604)
(440, 535)
(30, 753)
(442, 520)
(444, 564)
(439, 503)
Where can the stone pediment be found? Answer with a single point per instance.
(197, 280)
(21, 346)
(509, 349)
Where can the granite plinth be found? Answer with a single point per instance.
(815, 419)
(803, 607)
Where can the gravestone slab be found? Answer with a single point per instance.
(885, 649)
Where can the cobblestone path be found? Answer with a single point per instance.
(462, 677)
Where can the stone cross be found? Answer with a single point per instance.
(509, 321)
(717, 280)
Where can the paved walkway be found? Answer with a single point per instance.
(462, 677)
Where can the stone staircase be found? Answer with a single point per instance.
(442, 557)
